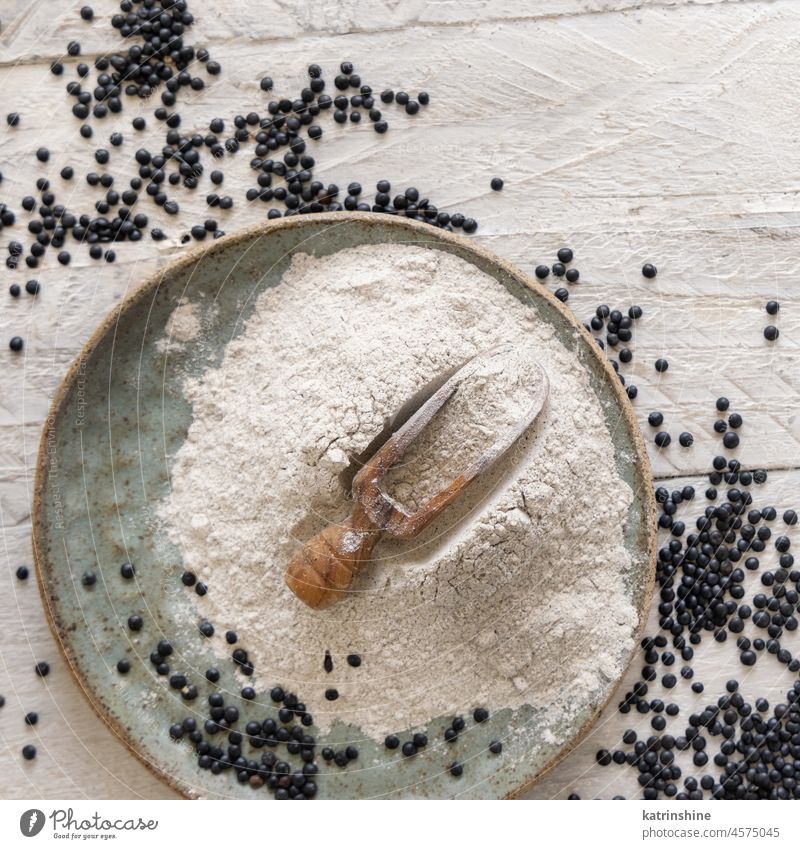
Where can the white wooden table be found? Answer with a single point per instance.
(631, 131)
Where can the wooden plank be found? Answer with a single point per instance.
(630, 131)
(35, 30)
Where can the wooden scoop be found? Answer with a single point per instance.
(326, 566)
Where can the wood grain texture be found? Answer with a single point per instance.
(40, 29)
(650, 131)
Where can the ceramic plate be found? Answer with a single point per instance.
(102, 467)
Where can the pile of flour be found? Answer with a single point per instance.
(513, 596)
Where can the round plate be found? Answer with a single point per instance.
(102, 465)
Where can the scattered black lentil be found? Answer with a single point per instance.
(170, 63)
(730, 440)
(694, 606)
(565, 255)
(409, 749)
(480, 714)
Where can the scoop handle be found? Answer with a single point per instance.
(326, 566)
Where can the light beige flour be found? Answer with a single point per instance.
(494, 392)
(182, 326)
(514, 596)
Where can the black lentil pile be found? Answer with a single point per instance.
(159, 56)
(288, 775)
(739, 750)
(735, 749)
(279, 135)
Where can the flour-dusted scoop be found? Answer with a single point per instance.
(326, 566)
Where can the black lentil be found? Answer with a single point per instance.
(730, 440)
